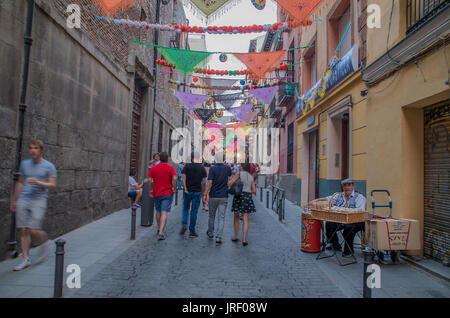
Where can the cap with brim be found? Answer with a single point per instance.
(348, 180)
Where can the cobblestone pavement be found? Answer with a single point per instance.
(270, 266)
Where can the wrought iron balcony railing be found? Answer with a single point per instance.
(419, 12)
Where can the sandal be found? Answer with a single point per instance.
(235, 239)
(244, 243)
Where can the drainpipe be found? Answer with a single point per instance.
(28, 40)
(155, 74)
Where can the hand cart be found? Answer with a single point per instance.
(383, 256)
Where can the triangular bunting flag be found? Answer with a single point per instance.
(191, 100)
(249, 117)
(241, 112)
(221, 82)
(227, 100)
(208, 7)
(298, 9)
(204, 114)
(265, 94)
(213, 126)
(261, 63)
(109, 8)
(183, 60)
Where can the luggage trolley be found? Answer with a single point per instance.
(384, 256)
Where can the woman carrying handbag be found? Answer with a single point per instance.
(243, 203)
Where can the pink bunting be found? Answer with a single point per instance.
(249, 117)
(191, 100)
(265, 94)
(241, 112)
(213, 126)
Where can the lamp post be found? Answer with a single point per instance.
(155, 73)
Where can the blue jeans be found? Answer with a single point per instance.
(193, 197)
(180, 183)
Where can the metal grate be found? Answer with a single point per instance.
(419, 12)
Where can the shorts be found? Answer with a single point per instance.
(132, 193)
(30, 213)
(163, 203)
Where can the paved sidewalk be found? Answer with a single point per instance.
(402, 280)
(92, 247)
(272, 265)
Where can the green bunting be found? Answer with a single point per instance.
(183, 60)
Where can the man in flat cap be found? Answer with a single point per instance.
(349, 198)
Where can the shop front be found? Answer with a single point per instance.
(331, 132)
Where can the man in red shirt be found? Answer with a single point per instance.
(164, 184)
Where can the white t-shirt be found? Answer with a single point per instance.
(131, 183)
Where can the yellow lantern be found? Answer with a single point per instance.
(219, 113)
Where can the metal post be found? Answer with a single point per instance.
(267, 199)
(148, 205)
(133, 224)
(59, 268)
(368, 257)
(176, 197)
(261, 194)
(273, 190)
(155, 73)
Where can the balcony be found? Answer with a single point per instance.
(286, 94)
(419, 12)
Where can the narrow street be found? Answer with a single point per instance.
(270, 266)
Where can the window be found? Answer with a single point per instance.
(313, 70)
(160, 135)
(170, 141)
(344, 21)
(418, 12)
(310, 66)
(339, 18)
(290, 153)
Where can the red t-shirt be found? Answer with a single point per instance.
(162, 174)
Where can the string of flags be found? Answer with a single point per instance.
(281, 26)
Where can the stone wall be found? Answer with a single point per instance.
(80, 98)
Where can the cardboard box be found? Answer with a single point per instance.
(390, 234)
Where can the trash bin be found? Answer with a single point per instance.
(310, 234)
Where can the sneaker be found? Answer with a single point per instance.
(183, 230)
(218, 241)
(25, 264)
(136, 206)
(210, 236)
(44, 252)
(193, 234)
(161, 237)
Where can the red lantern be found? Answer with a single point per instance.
(195, 79)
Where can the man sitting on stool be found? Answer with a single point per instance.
(348, 199)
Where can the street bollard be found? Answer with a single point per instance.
(368, 260)
(261, 194)
(133, 224)
(59, 268)
(147, 206)
(176, 197)
(267, 199)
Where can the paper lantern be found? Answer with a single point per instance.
(223, 58)
(209, 101)
(219, 113)
(195, 79)
(242, 82)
